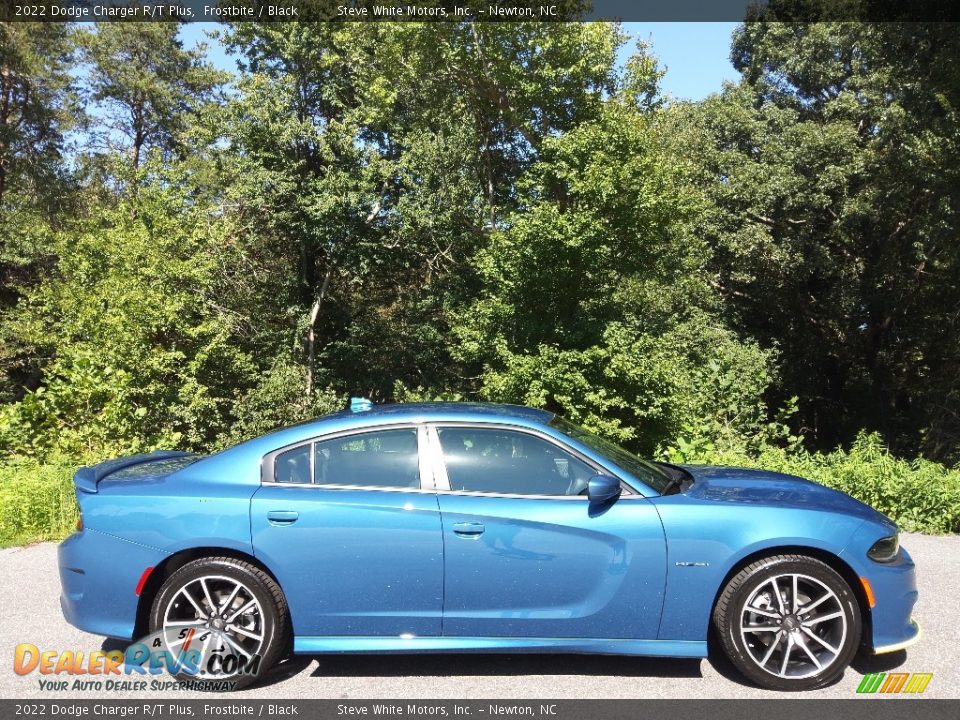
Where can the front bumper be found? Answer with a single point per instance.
(894, 584)
(98, 578)
(903, 644)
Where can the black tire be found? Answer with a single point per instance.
(795, 629)
(272, 615)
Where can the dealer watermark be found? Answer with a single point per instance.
(189, 660)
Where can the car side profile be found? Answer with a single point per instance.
(462, 527)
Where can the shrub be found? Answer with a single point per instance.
(37, 502)
(918, 495)
(278, 400)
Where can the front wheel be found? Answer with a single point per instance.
(788, 622)
(229, 613)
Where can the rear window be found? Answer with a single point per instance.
(377, 459)
(385, 458)
(156, 468)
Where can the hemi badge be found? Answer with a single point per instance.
(693, 564)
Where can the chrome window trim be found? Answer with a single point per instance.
(440, 470)
(432, 491)
(428, 480)
(433, 473)
(267, 462)
(367, 488)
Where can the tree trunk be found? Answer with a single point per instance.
(135, 151)
(312, 330)
(318, 303)
(6, 74)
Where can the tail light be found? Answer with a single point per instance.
(79, 523)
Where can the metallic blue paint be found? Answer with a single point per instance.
(729, 515)
(543, 567)
(99, 575)
(355, 562)
(426, 570)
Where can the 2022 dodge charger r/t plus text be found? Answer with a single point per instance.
(458, 527)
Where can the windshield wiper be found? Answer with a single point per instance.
(679, 480)
(672, 483)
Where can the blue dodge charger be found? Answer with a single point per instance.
(459, 527)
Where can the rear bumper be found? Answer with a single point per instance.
(98, 579)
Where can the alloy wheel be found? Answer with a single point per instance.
(214, 614)
(793, 626)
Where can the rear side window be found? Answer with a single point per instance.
(293, 466)
(387, 458)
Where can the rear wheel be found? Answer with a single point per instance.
(788, 622)
(229, 612)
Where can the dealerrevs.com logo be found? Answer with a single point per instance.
(890, 683)
(196, 661)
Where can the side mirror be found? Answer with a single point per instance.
(603, 488)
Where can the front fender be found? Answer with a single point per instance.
(706, 540)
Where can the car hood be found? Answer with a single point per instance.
(763, 487)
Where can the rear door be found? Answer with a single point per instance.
(353, 538)
(526, 555)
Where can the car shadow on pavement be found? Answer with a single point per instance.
(284, 670)
(866, 662)
(110, 644)
(484, 665)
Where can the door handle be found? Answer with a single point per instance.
(468, 529)
(282, 517)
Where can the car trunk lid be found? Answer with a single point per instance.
(87, 479)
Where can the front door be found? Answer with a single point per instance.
(354, 542)
(527, 555)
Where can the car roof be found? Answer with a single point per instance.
(439, 411)
(247, 454)
(242, 462)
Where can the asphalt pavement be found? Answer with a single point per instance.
(31, 613)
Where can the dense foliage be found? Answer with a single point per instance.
(487, 211)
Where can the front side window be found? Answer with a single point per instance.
(643, 470)
(509, 462)
(387, 458)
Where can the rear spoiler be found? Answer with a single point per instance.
(87, 478)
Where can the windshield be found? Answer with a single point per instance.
(643, 470)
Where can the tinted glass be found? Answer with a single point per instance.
(378, 459)
(508, 462)
(641, 469)
(293, 466)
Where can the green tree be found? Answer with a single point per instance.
(38, 109)
(148, 85)
(594, 302)
(386, 154)
(833, 167)
(140, 352)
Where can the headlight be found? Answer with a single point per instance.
(885, 549)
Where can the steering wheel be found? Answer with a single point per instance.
(578, 487)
